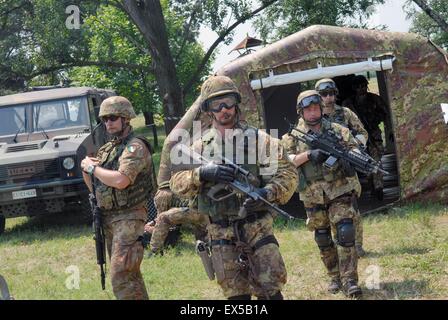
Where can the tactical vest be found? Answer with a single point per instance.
(309, 172)
(112, 199)
(227, 208)
(338, 116)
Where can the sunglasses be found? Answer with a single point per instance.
(327, 93)
(221, 106)
(306, 102)
(112, 118)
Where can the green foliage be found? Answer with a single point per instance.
(286, 17)
(425, 25)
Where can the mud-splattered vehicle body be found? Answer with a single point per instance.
(43, 136)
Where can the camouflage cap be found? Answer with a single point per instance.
(117, 105)
(307, 97)
(216, 86)
(325, 84)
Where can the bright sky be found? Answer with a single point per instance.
(390, 14)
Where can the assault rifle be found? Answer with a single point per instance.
(99, 237)
(330, 143)
(222, 191)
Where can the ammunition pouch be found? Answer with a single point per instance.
(204, 253)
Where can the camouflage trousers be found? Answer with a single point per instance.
(340, 262)
(126, 254)
(268, 273)
(172, 217)
(376, 151)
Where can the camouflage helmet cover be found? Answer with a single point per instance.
(325, 84)
(117, 105)
(216, 86)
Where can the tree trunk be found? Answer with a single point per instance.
(149, 122)
(148, 17)
(432, 14)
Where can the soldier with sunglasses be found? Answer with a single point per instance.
(123, 175)
(344, 116)
(245, 254)
(327, 194)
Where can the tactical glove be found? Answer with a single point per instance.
(317, 156)
(254, 205)
(216, 173)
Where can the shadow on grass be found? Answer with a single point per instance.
(391, 251)
(407, 289)
(47, 227)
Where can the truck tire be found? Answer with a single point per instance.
(2, 224)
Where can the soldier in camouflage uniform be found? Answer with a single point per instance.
(372, 110)
(344, 116)
(328, 195)
(124, 179)
(244, 252)
(178, 213)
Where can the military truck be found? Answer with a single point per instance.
(44, 134)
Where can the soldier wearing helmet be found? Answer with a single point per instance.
(244, 251)
(327, 194)
(372, 110)
(344, 116)
(123, 174)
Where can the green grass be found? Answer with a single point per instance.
(408, 245)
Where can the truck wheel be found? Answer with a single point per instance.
(86, 210)
(2, 224)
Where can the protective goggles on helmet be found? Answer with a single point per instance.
(306, 102)
(326, 86)
(112, 118)
(217, 104)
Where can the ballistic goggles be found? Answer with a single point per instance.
(217, 104)
(307, 101)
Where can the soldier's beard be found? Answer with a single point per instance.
(226, 119)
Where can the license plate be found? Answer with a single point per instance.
(23, 194)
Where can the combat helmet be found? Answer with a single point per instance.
(305, 99)
(325, 85)
(117, 105)
(216, 86)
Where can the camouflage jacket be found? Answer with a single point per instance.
(371, 111)
(347, 118)
(135, 163)
(325, 184)
(279, 175)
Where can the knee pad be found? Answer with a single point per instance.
(346, 233)
(323, 238)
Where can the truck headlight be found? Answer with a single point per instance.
(68, 163)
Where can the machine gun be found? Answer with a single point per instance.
(99, 237)
(223, 191)
(331, 145)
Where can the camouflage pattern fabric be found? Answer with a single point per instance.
(340, 262)
(351, 121)
(174, 216)
(126, 254)
(371, 110)
(314, 191)
(270, 270)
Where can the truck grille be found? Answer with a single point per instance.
(30, 171)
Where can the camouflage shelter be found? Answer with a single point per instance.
(411, 73)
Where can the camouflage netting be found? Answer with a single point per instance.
(417, 86)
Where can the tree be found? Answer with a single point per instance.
(423, 22)
(286, 17)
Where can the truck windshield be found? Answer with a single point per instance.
(60, 114)
(12, 120)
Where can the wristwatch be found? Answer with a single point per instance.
(90, 169)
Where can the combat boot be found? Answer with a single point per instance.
(352, 290)
(335, 285)
(360, 250)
